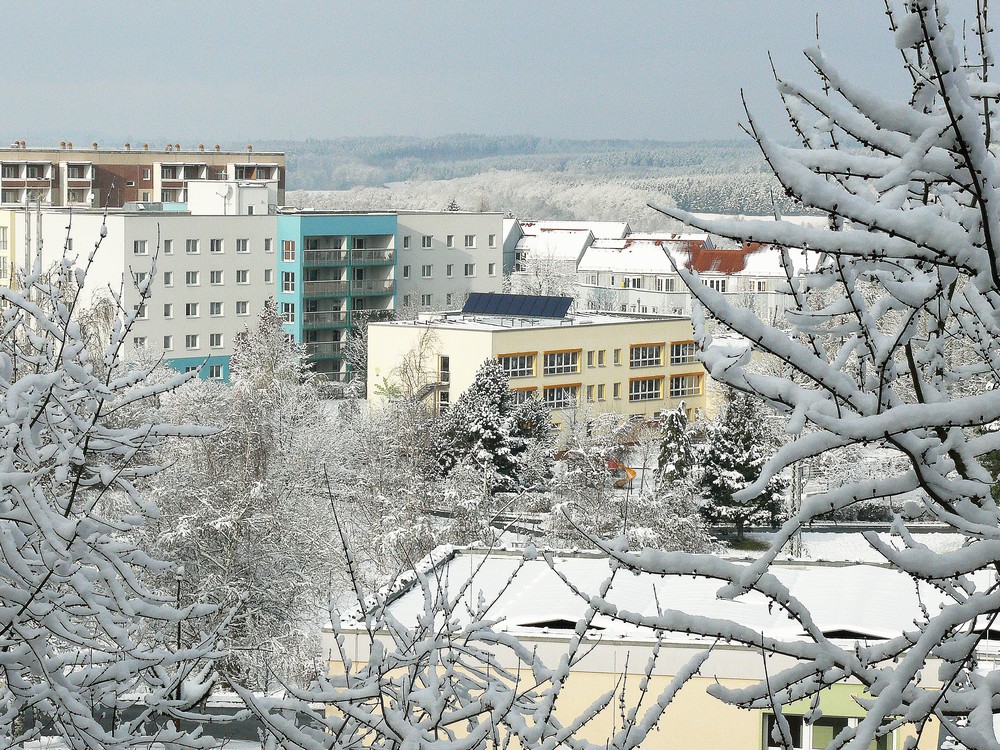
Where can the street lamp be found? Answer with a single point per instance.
(178, 578)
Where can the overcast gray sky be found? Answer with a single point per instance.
(211, 71)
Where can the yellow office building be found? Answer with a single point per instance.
(630, 364)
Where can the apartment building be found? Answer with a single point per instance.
(629, 364)
(332, 265)
(213, 274)
(93, 177)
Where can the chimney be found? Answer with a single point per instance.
(177, 147)
(217, 147)
(249, 147)
(128, 146)
(69, 144)
(94, 145)
(62, 144)
(23, 145)
(145, 147)
(201, 146)
(168, 147)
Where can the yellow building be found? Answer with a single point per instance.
(859, 603)
(608, 362)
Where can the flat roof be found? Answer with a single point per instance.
(478, 322)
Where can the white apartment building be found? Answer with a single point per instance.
(443, 256)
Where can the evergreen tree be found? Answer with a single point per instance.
(677, 453)
(489, 428)
(739, 446)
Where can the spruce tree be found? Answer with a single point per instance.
(677, 453)
(739, 446)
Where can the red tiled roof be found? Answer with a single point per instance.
(703, 260)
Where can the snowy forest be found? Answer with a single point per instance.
(166, 538)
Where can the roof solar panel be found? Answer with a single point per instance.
(522, 305)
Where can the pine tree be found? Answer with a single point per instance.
(738, 448)
(677, 453)
(487, 427)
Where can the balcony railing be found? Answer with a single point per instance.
(373, 257)
(319, 288)
(325, 349)
(324, 319)
(325, 257)
(372, 286)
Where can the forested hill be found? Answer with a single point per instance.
(728, 177)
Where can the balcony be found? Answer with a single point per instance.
(326, 288)
(328, 319)
(325, 349)
(325, 257)
(373, 257)
(372, 287)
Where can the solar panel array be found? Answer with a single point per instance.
(516, 305)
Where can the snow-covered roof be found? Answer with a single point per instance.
(600, 229)
(568, 245)
(481, 322)
(853, 601)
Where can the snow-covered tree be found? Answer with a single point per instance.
(677, 459)
(739, 445)
(246, 510)
(488, 428)
(79, 598)
(904, 358)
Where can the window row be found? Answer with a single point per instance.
(427, 270)
(215, 278)
(216, 246)
(639, 389)
(427, 241)
(193, 309)
(191, 341)
(426, 300)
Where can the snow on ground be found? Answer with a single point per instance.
(850, 546)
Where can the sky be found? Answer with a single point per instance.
(215, 71)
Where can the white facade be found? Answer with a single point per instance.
(442, 257)
(232, 198)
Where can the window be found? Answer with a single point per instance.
(590, 393)
(168, 247)
(168, 278)
(470, 240)
(685, 385)
(618, 356)
(617, 390)
(288, 250)
(287, 281)
(268, 275)
(190, 368)
(215, 340)
(268, 245)
(560, 396)
(450, 242)
(215, 372)
(449, 270)
(664, 284)
(718, 285)
(761, 286)
(590, 278)
(523, 394)
(406, 272)
(242, 245)
(168, 310)
(448, 298)
(191, 341)
(632, 282)
(646, 355)
(406, 300)
(683, 353)
(493, 240)
(645, 389)
(242, 307)
(139, 247)
(601, 358)
(470, 269)
(10, 171)
(360, 243)
(141, 313)
(192, 247)
(288, 312)
(818, 734)
(191, 310)
(215, 309)
(560, 363)
(493, 269)
(425, 300)
(518, 365)
(147, 174)
(601, 391)
(425, 271)
(215, 277)
(590, 358)
(243, 276)
(168, 343)
(406, 242)
(138, 341)
(425, 241)
(191, 278)
(129, 183)
(444, 369)
(139, 277)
